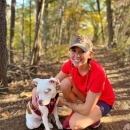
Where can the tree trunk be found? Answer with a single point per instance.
(35, 54)
(99, 12)
(12, 26)
(30, 28)
(110, 25)
(46, 26)
(69, 36)
(61, 21)
(23, 37)
(96, 28)
(3, 48)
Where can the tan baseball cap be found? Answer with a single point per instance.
(82, 42)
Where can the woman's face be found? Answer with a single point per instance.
(78, 56)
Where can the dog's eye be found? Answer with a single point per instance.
(47, 90)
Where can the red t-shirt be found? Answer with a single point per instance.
(95, 80)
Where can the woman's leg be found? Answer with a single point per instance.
(79, 121)
(70, 91)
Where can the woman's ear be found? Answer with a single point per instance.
(91, 53)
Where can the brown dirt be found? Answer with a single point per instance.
(13, 104)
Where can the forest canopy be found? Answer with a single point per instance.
(44, 28)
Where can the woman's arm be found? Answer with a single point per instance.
(60, 76)
(85, 108)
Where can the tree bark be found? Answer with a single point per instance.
(3, 48)
(62, 6)
(12, 27)
(23, 37)
(30, 28)
(46, 26)
(36, 48)
(102, 29)
(110, 25)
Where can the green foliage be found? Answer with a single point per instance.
(56, 52)
(79, 17)
(121, 41)
(18, 26)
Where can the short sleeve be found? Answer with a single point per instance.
(66, 68)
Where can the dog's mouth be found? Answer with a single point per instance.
(43, 102)
(40, 103)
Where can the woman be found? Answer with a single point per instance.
(82, 78)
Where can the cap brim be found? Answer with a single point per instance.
(80, 46)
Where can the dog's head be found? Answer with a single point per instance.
(46, 90)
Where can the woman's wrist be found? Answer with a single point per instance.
(73, 106)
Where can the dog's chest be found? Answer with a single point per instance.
(52, 103)
(50, 106)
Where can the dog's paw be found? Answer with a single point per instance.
(50, 126)
(59, 125)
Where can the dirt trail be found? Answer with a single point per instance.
(12, 105)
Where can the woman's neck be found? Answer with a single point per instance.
(83, 69)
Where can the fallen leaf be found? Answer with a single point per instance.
(26, 94)
(5, 114)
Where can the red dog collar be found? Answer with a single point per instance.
(50, 106)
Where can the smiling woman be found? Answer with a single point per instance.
(87, 82)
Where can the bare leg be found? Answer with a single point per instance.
(70, 91)
(71, 94)
(79, 121)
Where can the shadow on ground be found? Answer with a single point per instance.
(13, 105)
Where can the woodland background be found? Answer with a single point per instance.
(34, 40)
(31, 29)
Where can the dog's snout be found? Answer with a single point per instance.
(40, 102)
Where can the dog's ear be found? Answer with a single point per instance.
(36, 81)
(54, 81)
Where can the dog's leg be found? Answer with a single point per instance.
(50, 125)
(58, 123)
(32, 122)
(46, 123)
(44, 112)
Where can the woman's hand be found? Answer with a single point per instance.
(71, 105)
(34, 97)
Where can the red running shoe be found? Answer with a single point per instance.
(66, 121)
(96, 124)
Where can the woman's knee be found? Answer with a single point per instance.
(74, 125)
(66, 84)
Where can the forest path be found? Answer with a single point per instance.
(120, 79)
(13, 105)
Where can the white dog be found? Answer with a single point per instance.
(47, 99)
